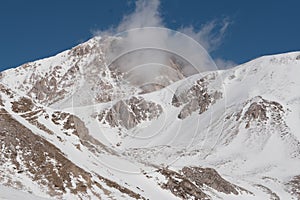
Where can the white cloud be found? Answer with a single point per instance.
(224, 64)
(210, 35)
(146, 14)
(136, 34)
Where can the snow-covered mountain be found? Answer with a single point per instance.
(73, 126)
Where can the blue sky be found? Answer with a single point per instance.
(34, 29)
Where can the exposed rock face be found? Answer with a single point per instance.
(81, 50)
(32, 157)
(5, 91)
(39, 160)
(122, 189)
(294, 186)
(84, 68)
(256, 111)
(182, 187)
(260, 109)
(29, 155)
(273, 195)
(190, 182)
(128, 113)
(198, 97)
(45, 89)
(71, 124)
(22, 105)
(50, 80)
(211, 178)
(50, 88)
(258, 121)
(255, 115)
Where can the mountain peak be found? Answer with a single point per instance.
(81, 125)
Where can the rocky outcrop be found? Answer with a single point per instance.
(22, 105)
(181, 187)
(69, 124)
(80, 50)
(23, 152)
(196, 98)
(273, 195)
(191, 183)
(72, 124)
(260, 110)
(39, 160)
(210, 177)
(294, 186)
(6, 91)
(129, 113)
(51, 88)
(258, 116)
